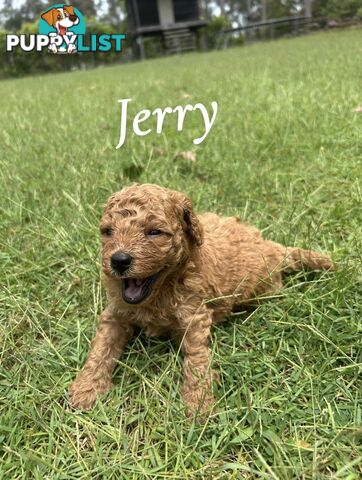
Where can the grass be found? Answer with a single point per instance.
(285, 155)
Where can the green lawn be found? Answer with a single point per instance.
(285, 155)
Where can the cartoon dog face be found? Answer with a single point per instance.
(61, 18)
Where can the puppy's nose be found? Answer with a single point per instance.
(120, 261)
(73, 18)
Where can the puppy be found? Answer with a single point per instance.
(171, 271)
(61, 19)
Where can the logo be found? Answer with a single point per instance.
(62, 31)
(63, 24)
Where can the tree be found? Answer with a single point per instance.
(10, 17)
(335, 9)
(87, 7)
(13, 18)
(7, 9)
(32, 9)
(116, 12)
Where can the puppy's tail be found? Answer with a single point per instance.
(296, 259)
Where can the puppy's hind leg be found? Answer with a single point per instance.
(296, 259)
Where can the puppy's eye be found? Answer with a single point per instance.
(59, 17)
(107, 232)
(153, 233)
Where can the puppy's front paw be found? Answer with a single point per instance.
(72, 48)
(53, 48)
(199, 402)
(83, 394)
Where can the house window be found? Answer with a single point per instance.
(186, 10)
(148, 12)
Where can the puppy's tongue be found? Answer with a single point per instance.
(133, 287)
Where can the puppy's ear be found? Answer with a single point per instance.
(190, 222)
(69, 9)
(49, 16)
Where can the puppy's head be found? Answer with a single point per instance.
(147, 234)
(61, 18)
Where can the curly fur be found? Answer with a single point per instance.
(198, 258)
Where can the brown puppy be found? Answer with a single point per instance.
(161, 262)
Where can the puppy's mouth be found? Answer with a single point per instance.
(135, 290)
(62, 30)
